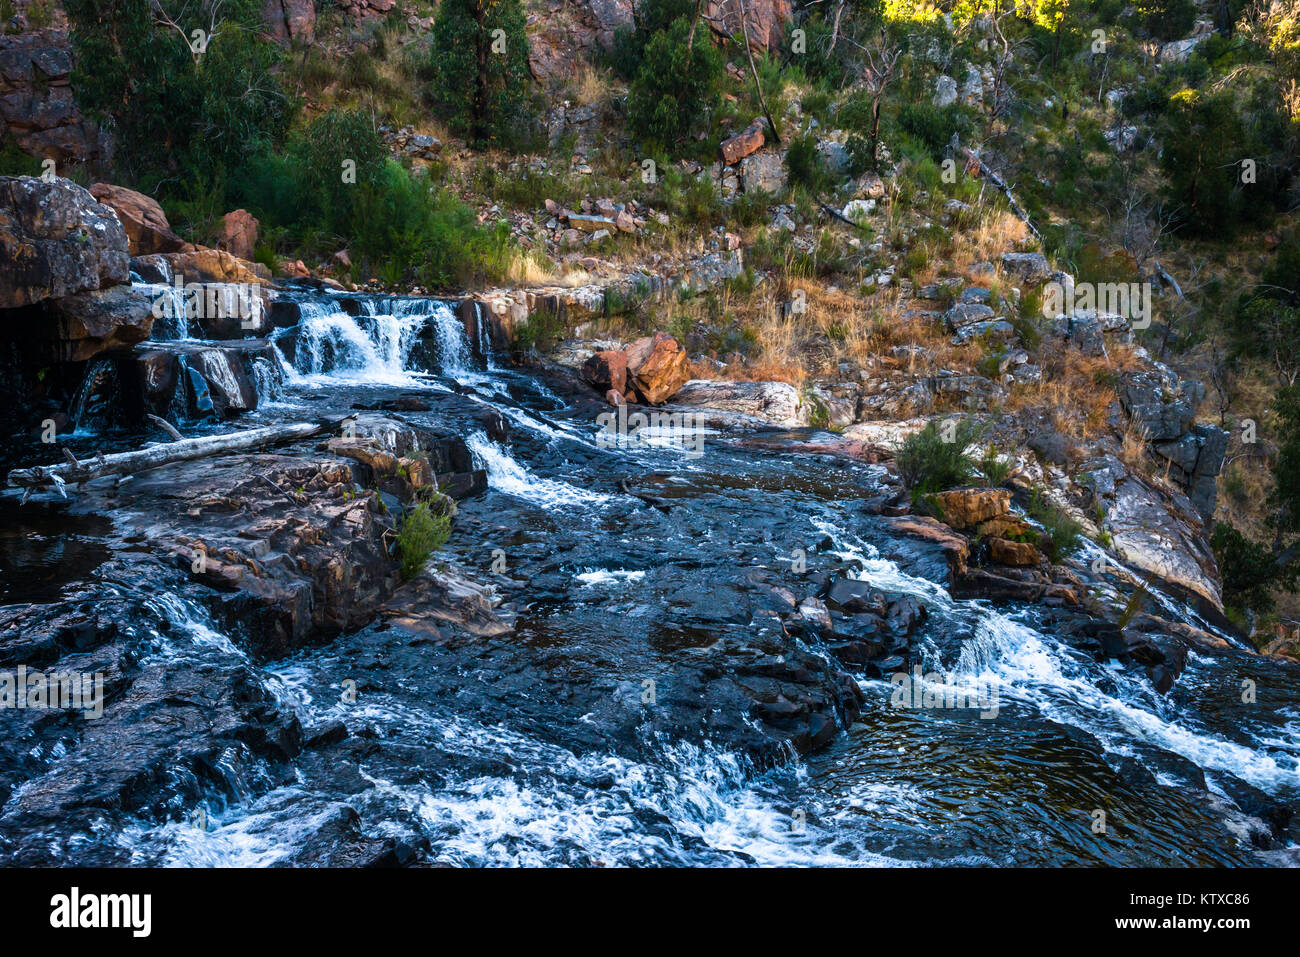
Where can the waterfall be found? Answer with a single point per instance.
(267, 378)
(390, 339)
(169, 308)
(97, 395)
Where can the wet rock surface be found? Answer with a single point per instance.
(623, 655)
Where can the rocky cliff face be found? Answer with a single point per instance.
(561, 34)
(37, 105)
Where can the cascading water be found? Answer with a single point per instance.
(536, 747)
(380, 345)
(97, 396)
(171, 311)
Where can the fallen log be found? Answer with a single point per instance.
(184, 450)
(980, 168)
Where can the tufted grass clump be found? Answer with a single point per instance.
(420, 534)
(935, 458)
(1064, 534)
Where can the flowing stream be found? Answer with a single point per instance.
(489, 754)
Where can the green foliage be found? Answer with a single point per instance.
(406, 230)
(929, 464)
(1166, 19)
(994, 469)
(1063, 533)
(649, 18)
(1206, 136)
(335, 184)
(542, 331)
(677, 91)
(479, 86)
(690, 200)
(805, 165)
(14, 162)
(420, 535)
(933, 126)
(1250, 574)
(170, 111)
(327, 160)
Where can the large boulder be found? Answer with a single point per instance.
(1032, 268)
(968, 507)
(56, 240)
(657, 368)
(606, 370)
(88, 323)
(747, 141)
(1160, 405)
(762, 173)
(287, 20)
(238, 233)
(1158, 537)
(146, 224)
(215, 265)
(776, 402)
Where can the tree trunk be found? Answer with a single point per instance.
(127, 463)
(744, 27)
(482, 44)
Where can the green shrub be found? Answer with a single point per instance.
(421, 533)
(541, 331)
(933, 126)
(329, 162)
(805, 165)
(406, 230)
(677, 91)
(927, 463)
(649, 18)
(482, 90)
(1166, 19)
(1205, 136)
(1250, 574)
(1063, 533)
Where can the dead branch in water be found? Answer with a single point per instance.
(183, 450)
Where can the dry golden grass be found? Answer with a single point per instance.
(1076, 388)
(1133, 448)
(589, 85)
(529, 267)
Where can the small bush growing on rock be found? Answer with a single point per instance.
(804, 164)
(542, 331)
(1063, 532)
(928, 463)
(421, 533)
(933, 126)
(995, 470)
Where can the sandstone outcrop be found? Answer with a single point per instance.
(56, 240)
